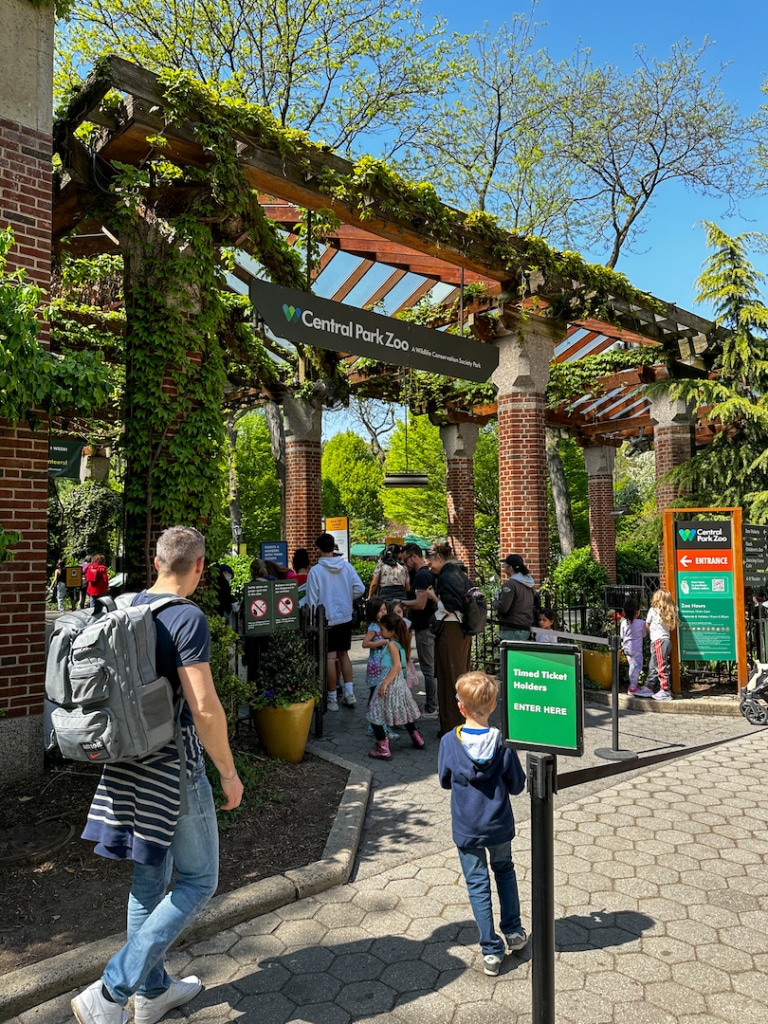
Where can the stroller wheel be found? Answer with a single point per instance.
(755, 714)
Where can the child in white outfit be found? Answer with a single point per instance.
(632, 633)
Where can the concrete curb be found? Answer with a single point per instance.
(726, 707)
(29, 986)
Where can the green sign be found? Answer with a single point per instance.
(754, 548)
(64, 459)
(270, 605)
(705, 590)
(542, 698)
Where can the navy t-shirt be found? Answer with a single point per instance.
(183, 638)
(423, 580)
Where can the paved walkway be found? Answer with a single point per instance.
(661, 899)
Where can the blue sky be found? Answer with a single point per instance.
(669, 254)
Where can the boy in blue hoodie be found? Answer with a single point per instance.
(481, 774)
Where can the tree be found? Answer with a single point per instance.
(259, 492)
(419, 449)
(486, 467)
(733, 468)
(626, 136)
(339, 69)
(352, 481)
(486, 144)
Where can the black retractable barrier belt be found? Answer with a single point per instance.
(604, 771)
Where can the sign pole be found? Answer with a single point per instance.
(615, 753)
(542, 784)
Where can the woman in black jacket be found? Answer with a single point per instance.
(453, 648)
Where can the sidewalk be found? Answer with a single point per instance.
(661, 900)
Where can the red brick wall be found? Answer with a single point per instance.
(25, 205)
(602, 526)
(522, 479)
(303, 494)
(461, 509)
(673, 445)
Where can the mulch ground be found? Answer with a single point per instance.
(74, 897)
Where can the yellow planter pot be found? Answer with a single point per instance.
(597, 665)
(283, 732)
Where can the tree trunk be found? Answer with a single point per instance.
(277, 440)
(235, 517)
(560, 494)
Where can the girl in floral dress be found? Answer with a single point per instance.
(392, 703)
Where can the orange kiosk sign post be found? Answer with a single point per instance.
(704, 571)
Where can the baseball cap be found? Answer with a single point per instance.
(514, 561)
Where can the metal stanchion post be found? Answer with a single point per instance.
(542, 778)
(615, 753)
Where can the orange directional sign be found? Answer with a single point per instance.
(707, 560)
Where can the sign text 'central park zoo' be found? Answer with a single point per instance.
(303, 318)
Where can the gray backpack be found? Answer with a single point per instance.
(100, 673)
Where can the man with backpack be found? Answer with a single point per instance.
(159, 811)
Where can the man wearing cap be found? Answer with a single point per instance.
(516, 601)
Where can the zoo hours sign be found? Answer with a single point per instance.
(304, 318)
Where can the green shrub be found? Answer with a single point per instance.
(634, 557)
(232, 691)
(580, 572)
(365, 569)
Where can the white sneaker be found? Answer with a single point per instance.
(149, 1011)
(641, 691)
(333, 705)
(91, 1007)
(662, 695)
(349, 700)
(492, 963)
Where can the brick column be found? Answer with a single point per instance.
(602, 525)
(525, 355)
(673, 442)
(459, 441)
(303, 483)
(26, 91)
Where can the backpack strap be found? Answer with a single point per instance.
(155, 607)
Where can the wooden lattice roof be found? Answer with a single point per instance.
(373, 257)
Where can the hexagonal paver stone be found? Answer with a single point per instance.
(366, 997)
(393, 948)
(351, 967)
(410, 976)
(311, 988)
(269, 978)
(269, 1008)
(432, 1008)
(315, 960)
(327, 1013)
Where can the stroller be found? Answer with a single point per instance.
(753, 699)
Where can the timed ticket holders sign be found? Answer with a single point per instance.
(270, 605)
(542, 697)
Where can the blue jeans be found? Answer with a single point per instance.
(509, 633)
(475, 867)
(156, 918)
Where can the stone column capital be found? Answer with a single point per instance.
(667, 411)
(600, 459)
(526, 344)
(302, 419)
(459, 440)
